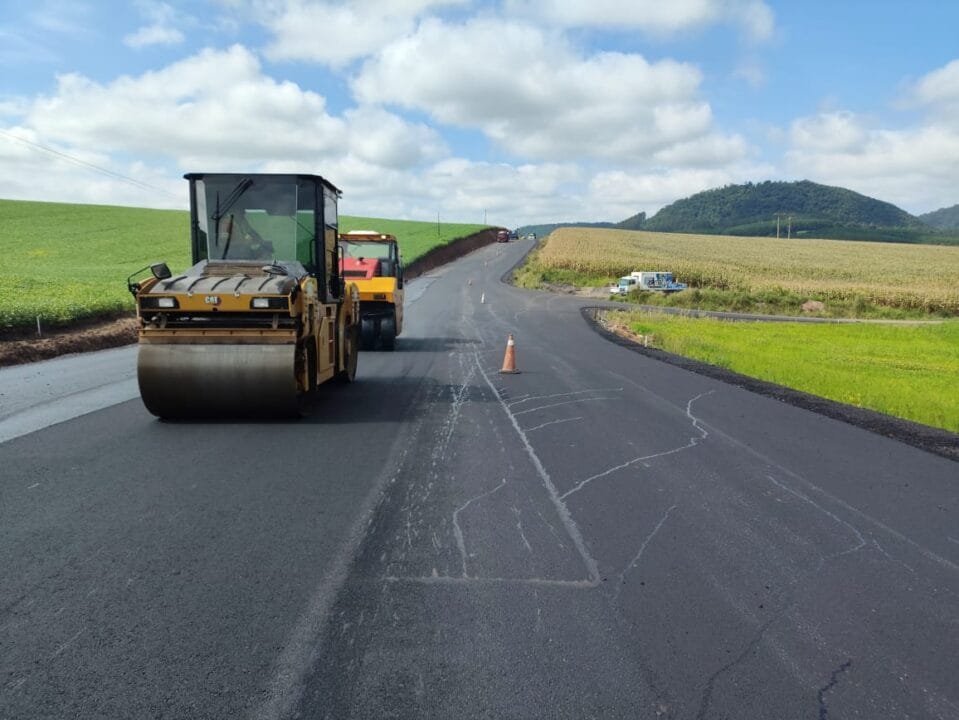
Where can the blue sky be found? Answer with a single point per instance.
(516, 110)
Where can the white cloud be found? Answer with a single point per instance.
(828, 132)
(154, 35)
(534, 94)
(709, 151)
(214, 111)
(626, 193)
(39, 174)
(478, 188)
(915, 167)
(160, 31)
(460, 190)
(653, 16)
(938, 91)
(386, 140)
(338, 32)
(214, 107)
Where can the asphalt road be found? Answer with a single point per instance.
(602, 535)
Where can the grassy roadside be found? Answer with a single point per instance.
(910, 372)
(67, 262)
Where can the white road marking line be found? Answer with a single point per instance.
(572, 528)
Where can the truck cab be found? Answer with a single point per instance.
(625, 284)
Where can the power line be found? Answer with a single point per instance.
(102, 170)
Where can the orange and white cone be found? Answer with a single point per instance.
(509, 360)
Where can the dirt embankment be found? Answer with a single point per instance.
(96, 334)
(24, 346)
(447, 253)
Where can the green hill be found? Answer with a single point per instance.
(805, 209)
(943, 218)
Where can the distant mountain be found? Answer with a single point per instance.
(943, 218)
(546, 229)
(636, 222)
(804, 208)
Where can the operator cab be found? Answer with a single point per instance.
(367, 254)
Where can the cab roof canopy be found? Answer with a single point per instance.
(267, 176)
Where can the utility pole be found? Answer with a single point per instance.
(484, 218)
(777, 225)
(789, 227)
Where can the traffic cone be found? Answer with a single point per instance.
(509, 360)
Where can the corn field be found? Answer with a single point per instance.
(915, 277)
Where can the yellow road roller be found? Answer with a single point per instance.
(372, 260)
(263, 316)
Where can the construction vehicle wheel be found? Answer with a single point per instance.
(351, 355)
(368, 334)
(388, 332)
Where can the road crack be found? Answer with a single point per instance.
(833, 680)
(642, 549)
(458, 531)
(693, 442)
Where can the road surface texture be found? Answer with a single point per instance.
(600, 536)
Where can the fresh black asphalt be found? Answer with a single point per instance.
(602, 535)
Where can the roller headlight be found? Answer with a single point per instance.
(269, 303)
(159, 303)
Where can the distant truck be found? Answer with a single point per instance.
(502, 236)
(657, 280)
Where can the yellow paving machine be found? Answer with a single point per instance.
(372, 261)
(263, 317)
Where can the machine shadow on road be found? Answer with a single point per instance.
(388, 399)
(370, 400)
(432, 344)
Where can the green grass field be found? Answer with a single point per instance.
(66, 262)
(909, 371)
